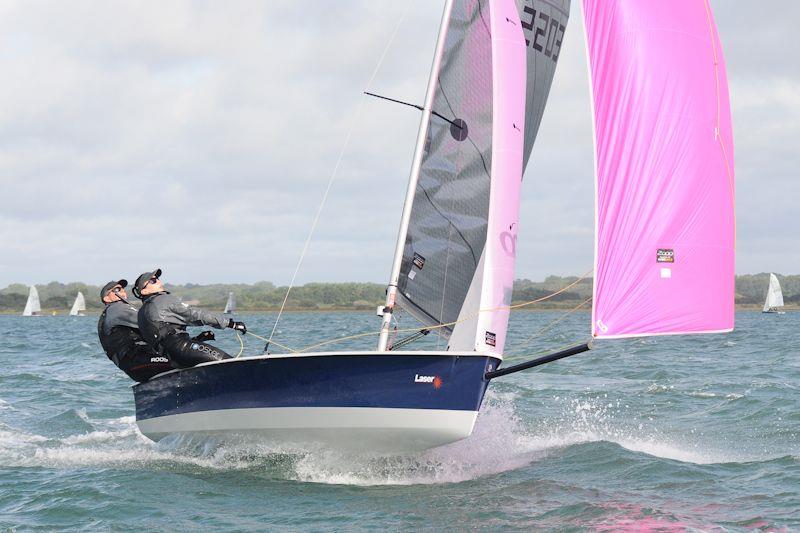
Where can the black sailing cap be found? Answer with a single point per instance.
(142, 280)
(110, 285)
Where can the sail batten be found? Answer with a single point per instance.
(664, 261)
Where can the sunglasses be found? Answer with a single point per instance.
(115, 290)
(152, 281)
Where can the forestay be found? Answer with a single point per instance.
(469, 178)
(664, 259)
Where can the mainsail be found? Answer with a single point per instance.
(774, 294)
(665, 232)
(79, 306)
(230, 306)
(32, 306)
(457, 265)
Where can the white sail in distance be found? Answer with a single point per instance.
(774, 294)
(230, 306)
(79, 306)
(32, 306)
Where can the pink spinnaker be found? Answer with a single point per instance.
(665, 228)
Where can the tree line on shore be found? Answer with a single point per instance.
(265, 296)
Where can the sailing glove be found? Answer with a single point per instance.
(238, 326)
(204, 337)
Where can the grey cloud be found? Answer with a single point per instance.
(200, 137)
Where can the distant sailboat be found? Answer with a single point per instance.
(32, 306)
(230, 307)
(79, 306)
(774, 296)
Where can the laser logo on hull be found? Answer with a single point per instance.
(436, 381)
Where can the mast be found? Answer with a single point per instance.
(391, 291)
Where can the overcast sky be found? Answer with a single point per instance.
(199, 137)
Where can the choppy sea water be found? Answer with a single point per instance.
(694, 433)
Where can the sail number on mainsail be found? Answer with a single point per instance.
(542, 31)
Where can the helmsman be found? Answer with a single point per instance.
(119, 334)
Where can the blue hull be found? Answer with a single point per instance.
(433, 396)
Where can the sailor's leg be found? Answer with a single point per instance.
(144, 363)
(185, 352)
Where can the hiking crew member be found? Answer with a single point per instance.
(164, 317)
(119, 334)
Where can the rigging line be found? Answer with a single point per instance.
(391, 342)
(279, 345)
(411, 338)
(717, 125)
(241, 345)
(449, 324)
(415, 106)
(336, 167)
(548, 327)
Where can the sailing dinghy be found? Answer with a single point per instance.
(79, 306)
(664, 236)
(774, 296)
(230, 305)
(32, 306)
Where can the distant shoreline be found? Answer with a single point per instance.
(552, 293)
(298, 310)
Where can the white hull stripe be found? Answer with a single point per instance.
(359, 427)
